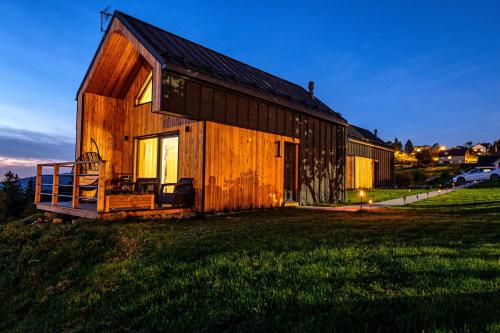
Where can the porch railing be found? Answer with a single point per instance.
(55, 195)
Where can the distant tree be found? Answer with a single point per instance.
(3, 207)
(14, 196)
(424, 157)
(494, 148)
(397, 145)
(435, 147)
(468, 144)
(409, 147)
(29, 197)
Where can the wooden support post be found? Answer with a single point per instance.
(101, 190)
(55, 185)
(38, 188)
(76, 185)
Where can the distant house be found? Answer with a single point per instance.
(418, 149)
(488, 161)
(481, 148)
(457, 155)
(369, 161)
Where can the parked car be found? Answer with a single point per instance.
(477, 174)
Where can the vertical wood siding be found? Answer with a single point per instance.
(242, 169)
(109, 120)
(322, 147)
(384, 157)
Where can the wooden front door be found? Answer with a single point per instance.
(290, 179)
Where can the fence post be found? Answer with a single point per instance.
(38, 188)
(101, 187)
(76, 185)
(55, 185)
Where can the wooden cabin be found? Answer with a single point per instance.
(155, 110)
(369, 161)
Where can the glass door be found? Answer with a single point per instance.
(169, 146)
(156, 161)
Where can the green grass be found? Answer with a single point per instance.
(483, 196)
(433, 171)
(422, 268)
(377, 195)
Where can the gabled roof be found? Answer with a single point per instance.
(176, 50)
(359, 133)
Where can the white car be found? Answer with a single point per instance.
(477, 174)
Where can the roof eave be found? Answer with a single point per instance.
(118, 15)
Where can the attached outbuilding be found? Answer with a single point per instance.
(369, 161)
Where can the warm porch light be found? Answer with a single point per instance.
(361, 193)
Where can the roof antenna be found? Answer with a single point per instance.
(105, 15)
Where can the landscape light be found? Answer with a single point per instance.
(361, 195)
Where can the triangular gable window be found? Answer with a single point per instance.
(145, 94)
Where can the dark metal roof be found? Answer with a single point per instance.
(192, 56)
(359, 133)
(458, 151)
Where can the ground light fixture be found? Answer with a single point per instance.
(361, 195)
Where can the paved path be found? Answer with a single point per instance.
(383, 204)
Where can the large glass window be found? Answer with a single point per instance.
(145, 94)
(158, 152)
(147, 158)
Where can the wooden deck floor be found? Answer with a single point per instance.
(89, 211)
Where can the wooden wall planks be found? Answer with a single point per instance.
(384, 156)
(242, 169)
(109, 120)
(322, 151)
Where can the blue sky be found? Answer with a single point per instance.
(424, 70)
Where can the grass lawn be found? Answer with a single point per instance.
(377, 195)
(431, 267)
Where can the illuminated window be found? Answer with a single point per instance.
(169, 161)
(147, 157)
(145, 94)
(158, 157)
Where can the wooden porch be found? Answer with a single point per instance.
(68, 188)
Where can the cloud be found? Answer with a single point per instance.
(24, 145)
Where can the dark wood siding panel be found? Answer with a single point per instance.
(253, 114)
(280, 120)
(232, 109)
(219, 106)
(263, 117)
(207, 102)
(193, 99)
(272, 119)
(243, 111)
